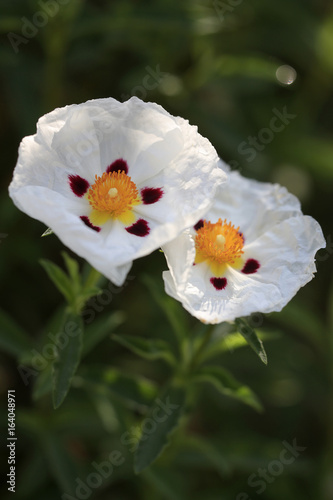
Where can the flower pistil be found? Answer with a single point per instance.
(219, 244)
(112, 196)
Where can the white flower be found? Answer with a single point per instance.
(115, 180)
(252, 253)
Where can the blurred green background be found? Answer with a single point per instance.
(228, 67)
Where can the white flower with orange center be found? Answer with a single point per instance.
(115, 181)
(251, 253)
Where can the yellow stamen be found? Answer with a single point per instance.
(113, 196)
(219, 244)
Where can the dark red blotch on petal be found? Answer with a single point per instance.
(87, 222)
(78, 185)
(118, 165)
(219, 283)
(139, 228)
(199, 225)
(251, 266)
(151, 195)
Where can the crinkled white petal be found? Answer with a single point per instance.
(160, 150)
(59, 214)
(266, 204)
(285, 246)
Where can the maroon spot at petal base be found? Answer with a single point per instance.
(251, 266)
(117, 165)
(87, 222)
(151, 195)
(219, 283)
(139, 228)
(78, 185)
(199, 225)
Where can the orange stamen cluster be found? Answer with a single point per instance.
(218, 244)
(113, 194)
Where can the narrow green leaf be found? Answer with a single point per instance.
(232, 341)
(100, 329)
(251, 338)
(146, 348)
(73, 271)
(13, 339)
(162, 419)
(138, 392)
(92, 278)
(87, 293)
(83, 295)
(60, 279)
(43, 383)
(67, 361)
(173, 311)
(227, 385)
(46, 337)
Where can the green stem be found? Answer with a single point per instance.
(92, 279)
(205, 341)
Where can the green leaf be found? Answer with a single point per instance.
(138, 392)
(164, 417)
(92, 278)
(86, 293)
(43, 383)
(227, 385)
(13, 339)
(60, 279)
(232, 341)
(173, 311)
(251, 338)
(228, 342)
(146, 348)
(67, 361)
(100, 329)
(73, 271)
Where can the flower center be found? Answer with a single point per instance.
(218, 244)
(113, 195)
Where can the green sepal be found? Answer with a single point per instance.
(47, 232)
(251, 338)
